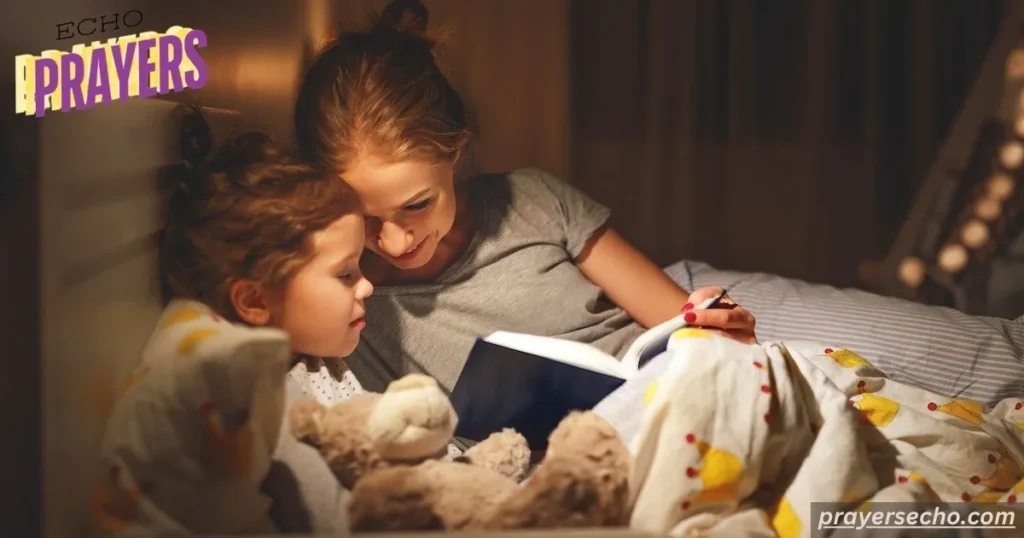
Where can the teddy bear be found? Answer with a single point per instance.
(387, 449)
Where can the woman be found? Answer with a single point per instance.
(456, 258)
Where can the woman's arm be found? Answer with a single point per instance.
(647, 294)
(630, 279)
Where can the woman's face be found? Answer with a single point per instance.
(409, 208)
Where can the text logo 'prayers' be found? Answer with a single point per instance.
(142, 65)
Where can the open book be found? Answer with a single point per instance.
(530, 383)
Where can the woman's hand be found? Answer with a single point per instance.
(726, 318)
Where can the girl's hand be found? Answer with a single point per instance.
(726, 318)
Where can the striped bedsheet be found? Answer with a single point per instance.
(935, 348)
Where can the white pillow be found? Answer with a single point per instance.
(191, 437)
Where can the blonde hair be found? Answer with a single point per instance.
(380, 93)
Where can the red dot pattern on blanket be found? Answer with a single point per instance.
(766, 389)
(966, 498)
(828, 350)
(932, 406)
(1011, 499)
(902, 480)
(1019, 405)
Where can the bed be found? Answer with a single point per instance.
(101, 211)
(936, 348)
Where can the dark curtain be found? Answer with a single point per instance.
(783, 136)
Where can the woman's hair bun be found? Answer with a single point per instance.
(408, 16)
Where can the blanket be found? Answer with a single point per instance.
(740, 439)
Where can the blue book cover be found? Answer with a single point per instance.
(502, 387)
(530, 383)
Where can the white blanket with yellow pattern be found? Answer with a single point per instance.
(738, 440)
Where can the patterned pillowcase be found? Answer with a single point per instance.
(191, 437)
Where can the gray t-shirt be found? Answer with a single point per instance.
(516, 275)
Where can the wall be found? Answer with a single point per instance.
(510, 62)
(84, 202)
(98, 207)
(784, 137)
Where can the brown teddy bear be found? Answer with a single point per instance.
(386, 449)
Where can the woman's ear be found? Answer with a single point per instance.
(250, 302)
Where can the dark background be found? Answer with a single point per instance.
(788, 137)
(780, 136)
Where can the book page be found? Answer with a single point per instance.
(659, 333)
(564, 351)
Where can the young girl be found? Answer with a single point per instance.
(455, 258)
(267, 241)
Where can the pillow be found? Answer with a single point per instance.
(935, 348)
(191, 436)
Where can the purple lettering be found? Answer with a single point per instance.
(194, 40)
(123, 66)
(45, 83)
(73, 68)
(99, 79)
(146, 67)
(170, 64)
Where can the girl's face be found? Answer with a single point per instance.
(409, 208)
(321, 308)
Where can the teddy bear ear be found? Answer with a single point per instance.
(305, 418)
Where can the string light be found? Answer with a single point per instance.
(1015, 64)
(1011, 155)
(911, 271)
(1019, 126)
(953, 258)
(987, 209)
(974, 234)
(1000, 186)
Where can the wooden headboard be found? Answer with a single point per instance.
(101, 209)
